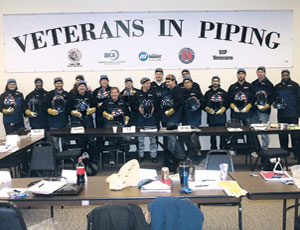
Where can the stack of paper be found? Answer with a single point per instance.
(46, 187)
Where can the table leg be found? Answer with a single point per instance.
(296, 210)
(240, 216)
(284, 215)
(51, 212)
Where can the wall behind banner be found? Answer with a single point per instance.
(202, 76)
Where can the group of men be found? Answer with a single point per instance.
(160, 103)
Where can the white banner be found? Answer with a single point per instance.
(147, 40)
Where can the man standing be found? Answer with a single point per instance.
(194, 102)
(128, 96)
(241, 98)
(172, 105)
(186, 73)
(264, 97)
(287, 102)
(56, 105)
(34, 106)
(12, 106)
(145, 102)
(100, 95)
(216, 105)
(159, 88)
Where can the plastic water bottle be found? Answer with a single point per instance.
(80, 171)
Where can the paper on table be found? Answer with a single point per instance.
(148, 174)
(234, 129)
(4, 192)
(156, 186)
(207, 175)
(79, 129)
(46, 187)
(208, 185)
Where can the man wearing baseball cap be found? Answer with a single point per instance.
(241, 98)
(216, 106)
(186, 73)
(35, 110)
(145, 101)
(56, 105)
(127, 95)
(100, 95)
(159, 88)
(264, 98)
(12, 107)
(289, 92)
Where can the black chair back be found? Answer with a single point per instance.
(11, 217)
(255, 141)
(216, 157)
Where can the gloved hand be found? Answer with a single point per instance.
(235, 109)
(29, 113)
(232, 188)
(263, 107)
(246, 108)
(99, 104)
(170, 112)
(221, 111)
(10, 110)
(90, 111)
(76, 113)
(107, 116)
(52, 112)
(209, 110)
(126, 120)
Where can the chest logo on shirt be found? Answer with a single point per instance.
(102, 94)
(10, 101)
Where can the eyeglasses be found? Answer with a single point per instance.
(285, 75)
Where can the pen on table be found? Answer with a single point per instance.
(202, 185)
(41, 185)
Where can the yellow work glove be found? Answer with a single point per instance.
(52, 112)
(29, 113)
(76, 113)
(126, 120)
(99, 104)
(107, 116)
(263, 107)
(235, 109)
(232, 188)
(209, 110)
(10, 110)
(170, 112)
(90, 111)
(246, 108)
(221, 111)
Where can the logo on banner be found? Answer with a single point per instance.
(222, 55)
(74, 56)
(186, 55)
(112, 55)
(144, 56)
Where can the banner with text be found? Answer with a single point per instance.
(147, 40)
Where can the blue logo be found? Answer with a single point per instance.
(143, 56)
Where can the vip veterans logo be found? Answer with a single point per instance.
(74, 56)
(144, 56)
(186, 55)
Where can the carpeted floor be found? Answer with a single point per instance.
(257, 215)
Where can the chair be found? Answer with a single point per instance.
(43, 159)
(68, 154)
(266, 154)
(237, 143)
(216, 157)
(11, 217)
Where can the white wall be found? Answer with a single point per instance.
(202, 76)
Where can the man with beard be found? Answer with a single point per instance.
(287, 102)
(145, 102)
(56, 105)
(264, 97)
(12, 106)
(216, 105)
(82, 106)
(194, 102)
(241, 98)
(34, 106)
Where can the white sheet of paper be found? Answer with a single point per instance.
(148, 174)
(5, 177)
(4, 192)
(12, 140)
